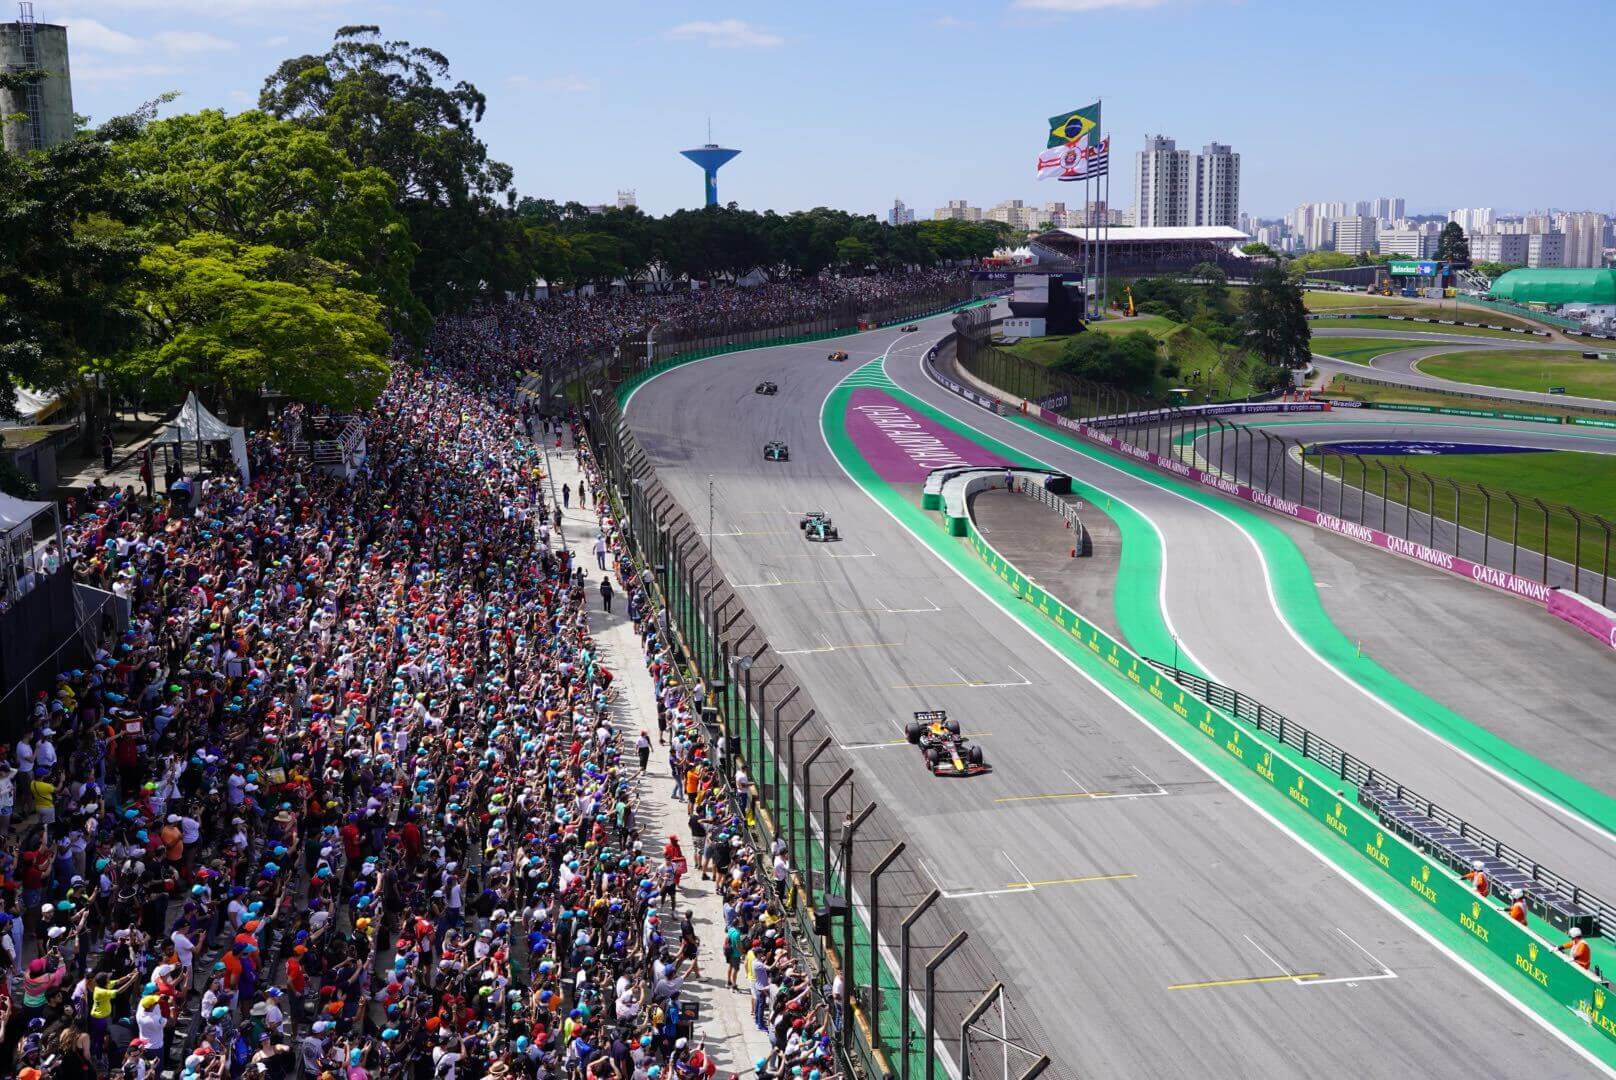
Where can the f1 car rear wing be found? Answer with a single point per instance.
(931, 716)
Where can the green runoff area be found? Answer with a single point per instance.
(1403, 326)
(1365, 303)
(1584, 480)
(1290, 789)
(1360, 350)
(1527, 369)
(1363, 390)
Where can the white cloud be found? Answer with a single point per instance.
(1086, 5)
(99, 37)
(191, 41)
(726, 34)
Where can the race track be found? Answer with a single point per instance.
(1401, 366)
(1178, 881)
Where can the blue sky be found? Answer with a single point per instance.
(846, 104)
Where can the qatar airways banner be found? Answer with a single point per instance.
(1584, 614)
(1442, 560)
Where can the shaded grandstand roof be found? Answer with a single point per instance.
(1163, 233)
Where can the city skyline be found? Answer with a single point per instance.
(576, 125)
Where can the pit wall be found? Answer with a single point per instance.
(1532, 957)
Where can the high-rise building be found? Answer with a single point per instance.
(1498, 247)
(1217, 186)
(1476, 220)
(1355, 235)
(1412, 241)
(1164, 184)
(40, 114)
(1545, 249)
(900, 214)
(1388, 208)
(1015, 213)
(957, 210)
(625, 198)
(1363, 208)
(1584, 238)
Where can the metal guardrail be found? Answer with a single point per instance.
(1068, 511)
(1556, 892)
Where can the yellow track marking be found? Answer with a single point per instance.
(1057, 795)
(1252, 981)
(1068, 881)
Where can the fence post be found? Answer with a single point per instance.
(931, 1000)
(1604, 570)
(1514, 532)
(1408, 501)
(1576, 552)
(808, 815)
(850, 826)
(1486, 522)
(758, 707)
(791, 780)
(1430, 510)
(875, 938)
(970, 1018)
(1457, 512)
(1384, 488)
(824, 814)
(1541, 505)
(904, 927)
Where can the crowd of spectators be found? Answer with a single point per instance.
(346, 798)
(532, 333)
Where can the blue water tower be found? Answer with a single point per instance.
(710, 157)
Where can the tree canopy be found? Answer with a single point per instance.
(1453, 245)
(1126, 360)
(1275, 320)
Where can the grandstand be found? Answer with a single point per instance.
(1135, 252)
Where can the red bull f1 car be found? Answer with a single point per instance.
(947, 752)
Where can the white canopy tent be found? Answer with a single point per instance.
(196, 425)
(29, 546)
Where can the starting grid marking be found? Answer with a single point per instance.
(1084, 792)
(1021, 887)
(969, 684)
(883, 609)
(1295, 978)
(827, 647)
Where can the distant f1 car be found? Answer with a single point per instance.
(947, 752)
(839, 354)
(766, 388)
(776, 451)
(911, 328)
(816, 526)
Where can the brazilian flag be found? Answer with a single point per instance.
(1081, 126)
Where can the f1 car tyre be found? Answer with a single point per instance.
(912, 733)
(932, 757)
(974, 755)
(952, 725)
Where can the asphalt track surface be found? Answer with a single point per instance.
(1533, 679)
(1401, 366)
(1220, 902)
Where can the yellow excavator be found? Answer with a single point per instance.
(1129, 290)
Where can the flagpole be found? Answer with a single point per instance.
(1105, 216)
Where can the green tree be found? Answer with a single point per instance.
(1257, 249)
(853, 253)
(67, 255)
(390, 105)
(266, 181)
(1274, 320)
(1126, 360)
(1496, 270)
(1320, 260)
(222, 314)
(1453, 246)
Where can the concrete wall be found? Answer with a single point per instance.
(56, 92)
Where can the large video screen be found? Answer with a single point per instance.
(1031, 289)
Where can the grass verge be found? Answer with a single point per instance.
(1360, 350)
(1527, 369)
(1403, 326)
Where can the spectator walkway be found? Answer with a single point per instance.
(726, 1015)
